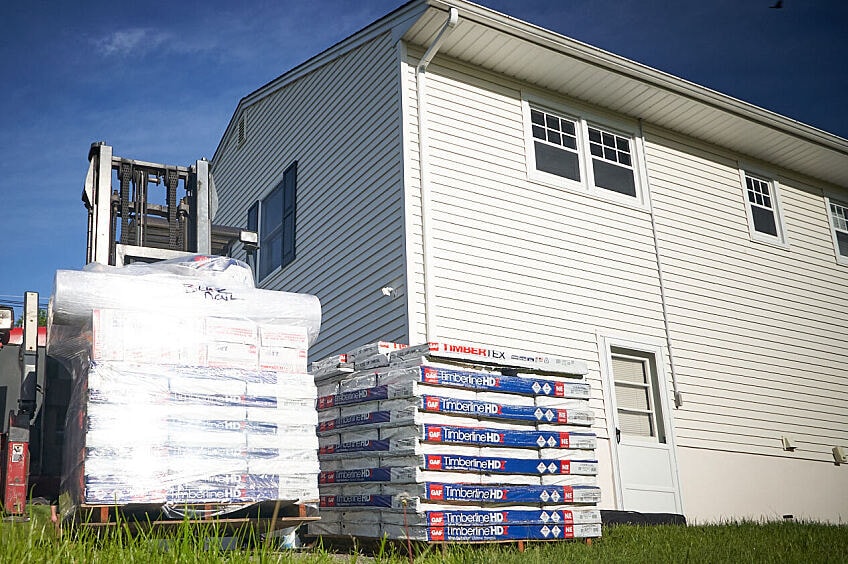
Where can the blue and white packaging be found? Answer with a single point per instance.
(446, 493)
(505, 411)
(482, 436)
(490, 533)
(392, 474)
(488, 382)
(509, 465)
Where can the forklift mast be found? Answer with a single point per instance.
(135, 222)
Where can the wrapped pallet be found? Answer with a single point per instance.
(183, 398)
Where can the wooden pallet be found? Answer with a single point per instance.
(261, 518)
(369, 545)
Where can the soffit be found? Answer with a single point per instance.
(539, 57)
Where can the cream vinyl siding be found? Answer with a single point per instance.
(518, 263)
(759, 334)
(341, 122)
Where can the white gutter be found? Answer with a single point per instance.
(423, 147)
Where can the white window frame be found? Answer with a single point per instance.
(649, 386)
(842, 203)
(779, 240)
(584, 119)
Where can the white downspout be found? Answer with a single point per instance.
(423, 147)
(678, 396)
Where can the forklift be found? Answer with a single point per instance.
(130, 220)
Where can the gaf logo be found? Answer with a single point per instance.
(434, 434)
(437, 518)
(436, 491)
(431, 403)
(437, 534)
(431, 376)
(434, 462)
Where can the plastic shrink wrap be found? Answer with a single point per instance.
(190, 387)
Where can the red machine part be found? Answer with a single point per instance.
(15, 474)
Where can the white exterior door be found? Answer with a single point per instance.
(643, 455)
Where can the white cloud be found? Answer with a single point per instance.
(132, 41)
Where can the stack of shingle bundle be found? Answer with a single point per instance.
(454, 442)
(198, 401)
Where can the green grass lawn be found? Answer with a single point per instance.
(36, 541)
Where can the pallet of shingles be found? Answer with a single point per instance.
(455, 442)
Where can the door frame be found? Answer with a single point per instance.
(648, 346)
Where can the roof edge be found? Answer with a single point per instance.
(405, 14)
(639, 71)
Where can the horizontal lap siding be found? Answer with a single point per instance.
(341, 122)
(759, 335)
(522, 264)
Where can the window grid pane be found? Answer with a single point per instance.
(758, 192)
(555, 130)
(610, 147)
(839, 215)
(633, 396)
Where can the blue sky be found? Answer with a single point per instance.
(159, 81)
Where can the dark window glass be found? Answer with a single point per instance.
(253, 218)
(554, 137)
(624, 158)
(764, 220)
(594, 135)
(537, 117)
(614, 177)
(277, 238)
(538, 132)
(553, 122)
(842, 241)
(557, 161)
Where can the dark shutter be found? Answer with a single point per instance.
(289, 213)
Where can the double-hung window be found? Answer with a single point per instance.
(612, 161)
(764, 219)
(555, 144)
(580, 152)
(274, 218)
(839, 228)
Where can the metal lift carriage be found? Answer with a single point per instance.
(128, 225)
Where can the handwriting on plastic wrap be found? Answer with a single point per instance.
(210, 292)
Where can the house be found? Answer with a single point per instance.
(449, 172)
